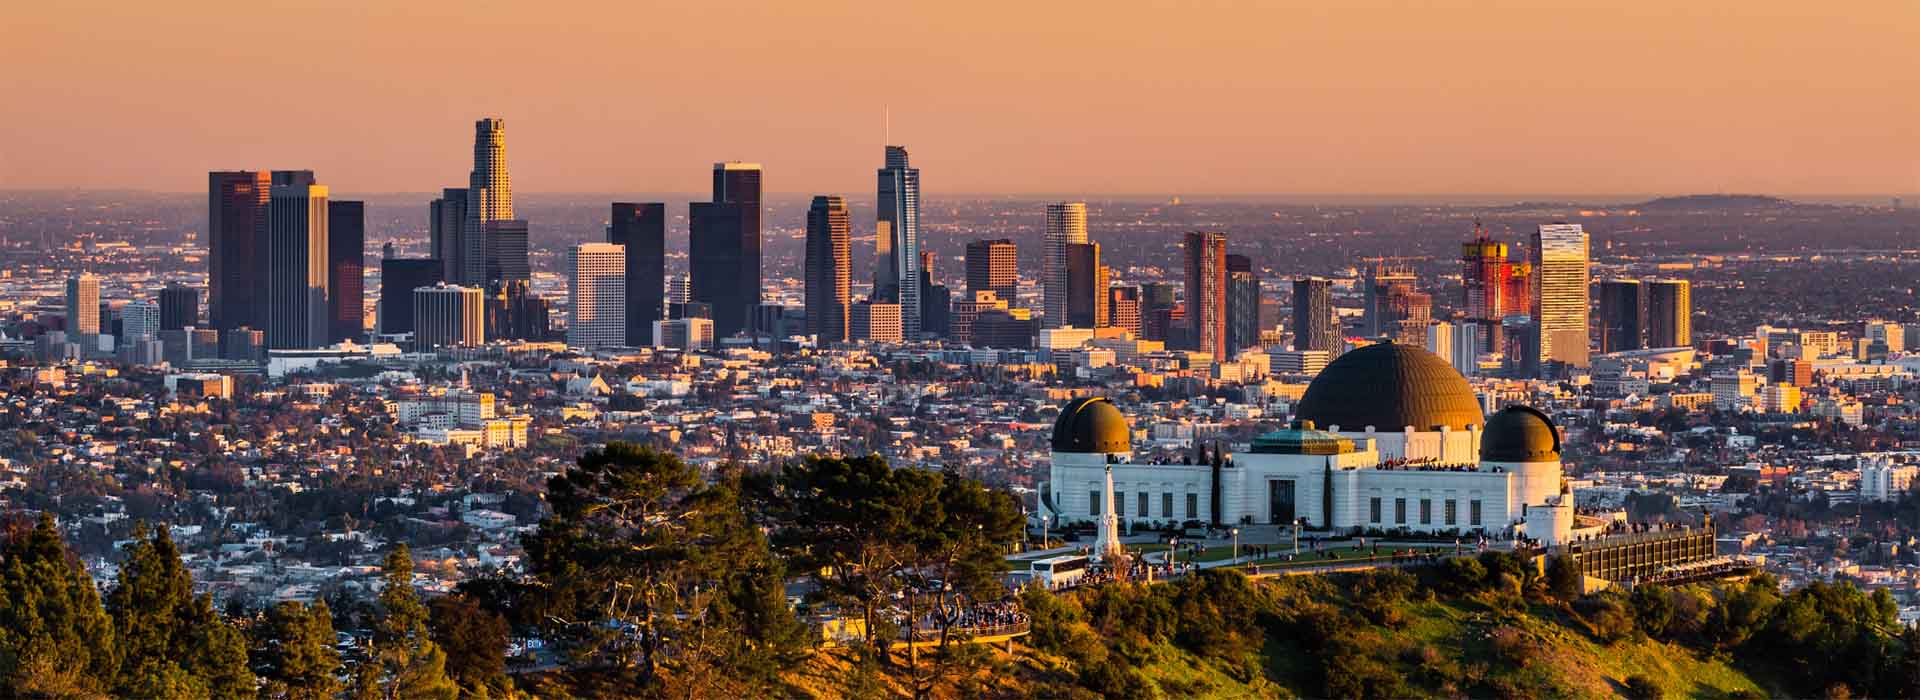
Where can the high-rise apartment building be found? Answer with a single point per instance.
(1206, 254)
(898, 275)
(1243, 305)
(1669, 313)
(346, 270)
(994, 266)
(1623, 315)
(237, 246)
(1404, 314)
(1158, 302)
(829, 266)
(642, 229)
(1561, 302)
(1066, 225)
(1493, 288)
(724, 246)
(1086, 286)
(936, 300)
(489, 199)
(1314, 327)
(447, 315)
(179, 306)
(398, 278)
(83, 306)
(598, 286)
(446, 226)
(297, 237)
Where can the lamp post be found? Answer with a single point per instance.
(1236, 543)
(1173, 554)
(1296, 538)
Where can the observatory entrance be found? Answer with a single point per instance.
(1280, 501)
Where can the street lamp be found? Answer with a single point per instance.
(1236, 543)
(1296, 538)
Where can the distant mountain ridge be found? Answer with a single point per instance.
(1695, 202)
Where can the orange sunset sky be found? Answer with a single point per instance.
(1087, 98)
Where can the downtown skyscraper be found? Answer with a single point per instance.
(828, 268)
(897, 269)
(723, 250)
(346, 270)
(1087, 282)
(1562, 296)
(1206, 254)
(598, 276)
(297, 284)
(642, 228)
(993, 266)
(1243, 305)
(1066, 225)
(236, 239)
(83, 306)
(489, 199)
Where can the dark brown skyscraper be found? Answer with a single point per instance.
(237, 247)
(1313, 322)
(1086, 286)
(1623, 314)
(1670, 314)
(179, 307)
(346, 270)
(828, 268)
(724, 247)
(994, 266)
(642, 228)
(1207, 292)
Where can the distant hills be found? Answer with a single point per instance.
(1698, 202)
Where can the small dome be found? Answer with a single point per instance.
(1091, 425)
(1390, 386)
(1520, 434)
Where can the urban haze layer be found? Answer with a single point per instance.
(291, 440)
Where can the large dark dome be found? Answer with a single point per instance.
(1390, 386)
(1520, 434)
(1091, 425)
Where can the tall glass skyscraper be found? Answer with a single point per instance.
(1623, 315)
(237, 240)
(642, 228)
(723, 251)
(1066, 225)
(897, 276)
(1562, 295)
(1313, 321)
(346, 270)
(828, 267)
(297, 234)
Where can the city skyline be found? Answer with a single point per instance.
(1418, 100)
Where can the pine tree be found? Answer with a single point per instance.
(172, 643)
(475, 640)
(295, 647)
(406, 664)
(55, 637)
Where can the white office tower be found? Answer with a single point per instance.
(83, 305)
(1066, 225)
(898, 234)
(599, 295)
(140, 319)
(1561, 298)
(1440, 341)
(448, 315)
(1466, 348)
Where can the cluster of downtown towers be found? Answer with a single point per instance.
(475, 285)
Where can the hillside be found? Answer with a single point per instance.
(1485, 632)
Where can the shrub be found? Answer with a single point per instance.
(1640, 687)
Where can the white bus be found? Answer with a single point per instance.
(1059, 572)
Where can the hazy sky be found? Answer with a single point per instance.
(1037, 96)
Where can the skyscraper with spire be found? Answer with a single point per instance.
(489, 197)
(897, 277)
